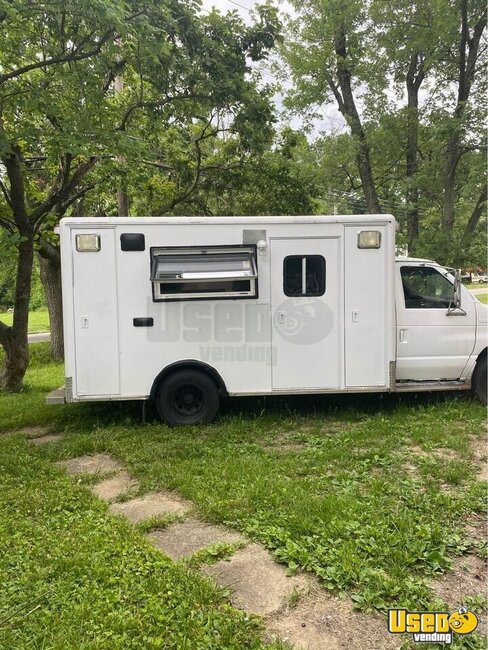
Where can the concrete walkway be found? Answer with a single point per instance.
(294, 609)
(39, 337)
(478, 292)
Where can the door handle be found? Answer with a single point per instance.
(143, 322)
(84, 322)
(402, 337)
(281, 317)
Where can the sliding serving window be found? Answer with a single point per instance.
(204, 272)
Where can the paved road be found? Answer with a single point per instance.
(477, 292)
(39, 337)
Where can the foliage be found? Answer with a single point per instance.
(92, 91)
(413, 69)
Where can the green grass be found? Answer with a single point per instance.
(483, 297)
(38, 320)
(360, 491)
(74, 578)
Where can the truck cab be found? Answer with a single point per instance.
(436, 341)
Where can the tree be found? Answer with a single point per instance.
(472, 18)
(62, 126)
(409, 145)
(325, 54)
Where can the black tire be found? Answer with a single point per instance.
(187, 397)
(478, 383)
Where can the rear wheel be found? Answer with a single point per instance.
(187, 397)
(478, 382)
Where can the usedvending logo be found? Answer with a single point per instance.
(431, 627)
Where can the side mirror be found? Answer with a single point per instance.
(455, 308)
(457, 289)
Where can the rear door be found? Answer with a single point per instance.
(95, 314)
(365, 310)
(306, 319)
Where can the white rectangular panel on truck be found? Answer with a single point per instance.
(95, 315)
(365, 315)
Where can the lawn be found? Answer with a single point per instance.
(483, 297)
(371, 495)
(38, 320)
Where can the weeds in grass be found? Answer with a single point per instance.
(213, 553)
(159, 522)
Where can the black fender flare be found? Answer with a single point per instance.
(187, 364)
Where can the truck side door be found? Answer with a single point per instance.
(95, 315)
(431, 345)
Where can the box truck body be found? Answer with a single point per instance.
(259, 306)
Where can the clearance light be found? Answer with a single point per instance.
(369, 239)
(88, 243)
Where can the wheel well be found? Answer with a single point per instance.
(188, 365)
(481, 355)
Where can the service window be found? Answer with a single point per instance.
(204, 272)
(425, 288)
(304, 275)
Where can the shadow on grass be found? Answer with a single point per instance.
(347, 407)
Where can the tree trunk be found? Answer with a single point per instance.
(347, 106)
(51, 281)
(14, 339)
(471, 226)
(449, 198)
(122, 194)
(469, 45)
(414, 78)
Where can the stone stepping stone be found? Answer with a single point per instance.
(153, 504)
(259, 584)
(183, 539)
(320, 621)
(50, 437)
(32, 432)
(111, 488)
(90, 464)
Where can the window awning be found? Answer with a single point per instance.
(198, 266)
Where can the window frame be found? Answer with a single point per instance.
(304, 295)
(253, 293)
(432, 269)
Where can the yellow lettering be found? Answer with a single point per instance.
(442, 622)
(397, 620)
(428, 622)
(413, 622)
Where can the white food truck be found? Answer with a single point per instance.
(183, 310)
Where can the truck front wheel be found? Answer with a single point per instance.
(187, 397)
(478, 382)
